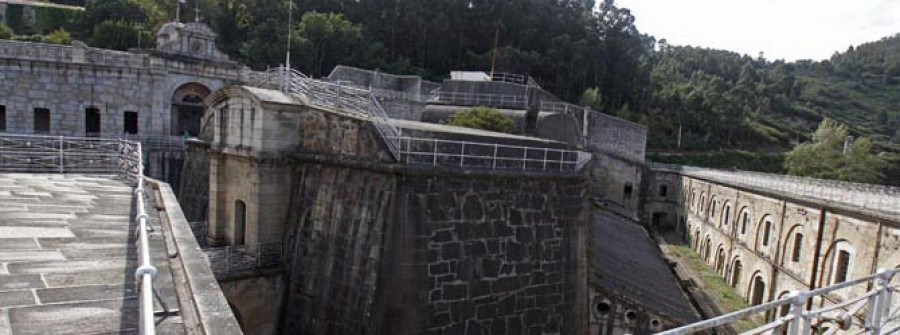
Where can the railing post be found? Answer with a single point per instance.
(797, 303)
(462, 155)
(494, 166)
(435, 154)
(877, 308)
(61, 162)
(525, 159)
(545, 158)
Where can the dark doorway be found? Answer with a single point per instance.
(736, 273)
(759, 289)
(130, 123)
(240, 222)
(92, 122)
(659, 218)
(2, 118)
(188, 109)
(41, 120)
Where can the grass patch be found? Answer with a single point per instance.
(714, 286)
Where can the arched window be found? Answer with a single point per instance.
(726, 214)
(744, 220)
(240, 222)
(766, 232)
(842, 263)
(798, 246)
(712, 208)
(702, 202)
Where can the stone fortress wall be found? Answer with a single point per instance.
(770, 238)
(67, 80)
(383, 248)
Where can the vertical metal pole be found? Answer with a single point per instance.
(525, 159)
(495, 157)
(462, 155)
(434, 163)
(408, 148)
(797, 303)
(545, 158)
(61, 164)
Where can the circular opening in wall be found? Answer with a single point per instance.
(630, 315)
(603, 308)
(654, 323)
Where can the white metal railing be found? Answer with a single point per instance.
(514, 78)
(35, 153)
(876, 304)
(491, 156)
(145, 272)
(883, 200)
(58, 154)
(561, 107)
(349, 99)
(480, 99)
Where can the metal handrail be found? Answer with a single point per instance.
(349, 99)
(146, 272)
(491, 156)
(877, 302)
(475, 99)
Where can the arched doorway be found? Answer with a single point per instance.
(188, 108)
(736, 273)
(720, 261)
(758, 291)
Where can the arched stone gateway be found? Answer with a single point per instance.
(187, 108)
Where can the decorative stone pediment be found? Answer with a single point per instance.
(192, 39)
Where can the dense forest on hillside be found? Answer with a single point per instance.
(693, 99)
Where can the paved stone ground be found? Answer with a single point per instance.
(67, 257)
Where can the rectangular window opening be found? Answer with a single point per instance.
(798, 245)
(765, 241)
(92, 122)
(41, 120)
(663, 191)
(843, 265)
(130, 122)
(627, 191)
(2, 118)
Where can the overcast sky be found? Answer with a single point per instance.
(783, 29)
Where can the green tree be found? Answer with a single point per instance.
(328, 39)
(483, 118)
(6, 32)
(59, 36)
(824, 157)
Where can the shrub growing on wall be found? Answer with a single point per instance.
(484, 118)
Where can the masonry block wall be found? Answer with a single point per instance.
(485, 256)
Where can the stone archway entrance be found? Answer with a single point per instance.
(188, 108)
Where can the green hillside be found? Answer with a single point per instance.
(724, 100)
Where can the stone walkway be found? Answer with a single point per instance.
(67, 258)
